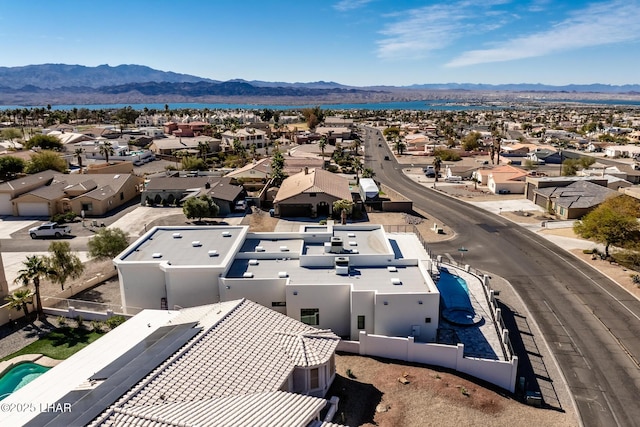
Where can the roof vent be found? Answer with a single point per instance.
(282, 274)
(396, 281)
(157, 255)
(196, 243)
(392, 268)
(253, 262)
(259, 249)
(247, 274)
(213, 252)
(226, 234)
(177, 236)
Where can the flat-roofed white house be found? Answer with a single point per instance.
(245, 136)
(229, 364)
(350, 279)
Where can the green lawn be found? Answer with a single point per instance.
(59, 344)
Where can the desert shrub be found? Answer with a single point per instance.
(115, 321)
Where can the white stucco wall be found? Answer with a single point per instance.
(362, 304)
(262, 291)
(332, 300)
(402, 311)
(142, 284)
(191, 287)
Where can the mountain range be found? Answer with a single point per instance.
(77, 84)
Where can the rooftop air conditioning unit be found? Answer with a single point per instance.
(342, 265)
(226, 234)
(177, 235)
(392, 268)
(253, 262)
(282, 274)
(259, 249)
(336, 245)
(247, 275)
(213, 252)
(351, 235)
(157, 255)
(196, 244)
(396, 281)
(284, 249)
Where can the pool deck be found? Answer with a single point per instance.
(34, 358)
(481, 340)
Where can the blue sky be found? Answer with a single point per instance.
(353, 42)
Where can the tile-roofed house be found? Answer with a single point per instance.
(96, 194)
(222, 364)
(576, 199)
(261, 169)
(506, 179)
(310, 193)
(176, 189)
(14, 188)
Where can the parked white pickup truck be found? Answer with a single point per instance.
(49, 229)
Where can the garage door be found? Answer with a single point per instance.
(5, 205)
(295, 210)
(33, 209)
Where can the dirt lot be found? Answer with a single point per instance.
(376, 397)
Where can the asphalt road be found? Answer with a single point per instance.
(590, 323)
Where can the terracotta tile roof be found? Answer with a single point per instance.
(257, 409)
(250, 350)
(507, 173)
(315, 181)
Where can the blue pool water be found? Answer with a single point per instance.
(19, 376)
(455, 297)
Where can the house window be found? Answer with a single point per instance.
(310, 316)
(278, 304)
(314, 378)
(87, 207)
(427, 320)
(121, 196)
(360, 322)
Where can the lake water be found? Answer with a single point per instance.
(424, 105)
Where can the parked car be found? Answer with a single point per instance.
(49, 229)
(429, 172)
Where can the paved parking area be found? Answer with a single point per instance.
(13, 262)
(10, 225)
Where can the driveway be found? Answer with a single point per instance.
(10, 225)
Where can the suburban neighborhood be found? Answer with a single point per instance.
(259, 251)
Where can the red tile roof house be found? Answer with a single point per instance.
(506, 179)
(233, 363)
(310, 193)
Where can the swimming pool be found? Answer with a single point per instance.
(455, 297)
(19, 376)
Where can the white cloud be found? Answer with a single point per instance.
(417, 32)
(597, 25)
(347, 5)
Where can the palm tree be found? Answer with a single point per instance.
(368, 173)
(106, 150)
(35, 268)
(399, 146)
(19, 300)
(358, 167)
(322, 143)
(356, 144)
(437, 165)
(78, 153)
(203, 149)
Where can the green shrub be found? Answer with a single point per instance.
(79, 321)
(62, 321)
(97, 325)
(115, 321)
(447, 155)
(635, 278)
(323, 222)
